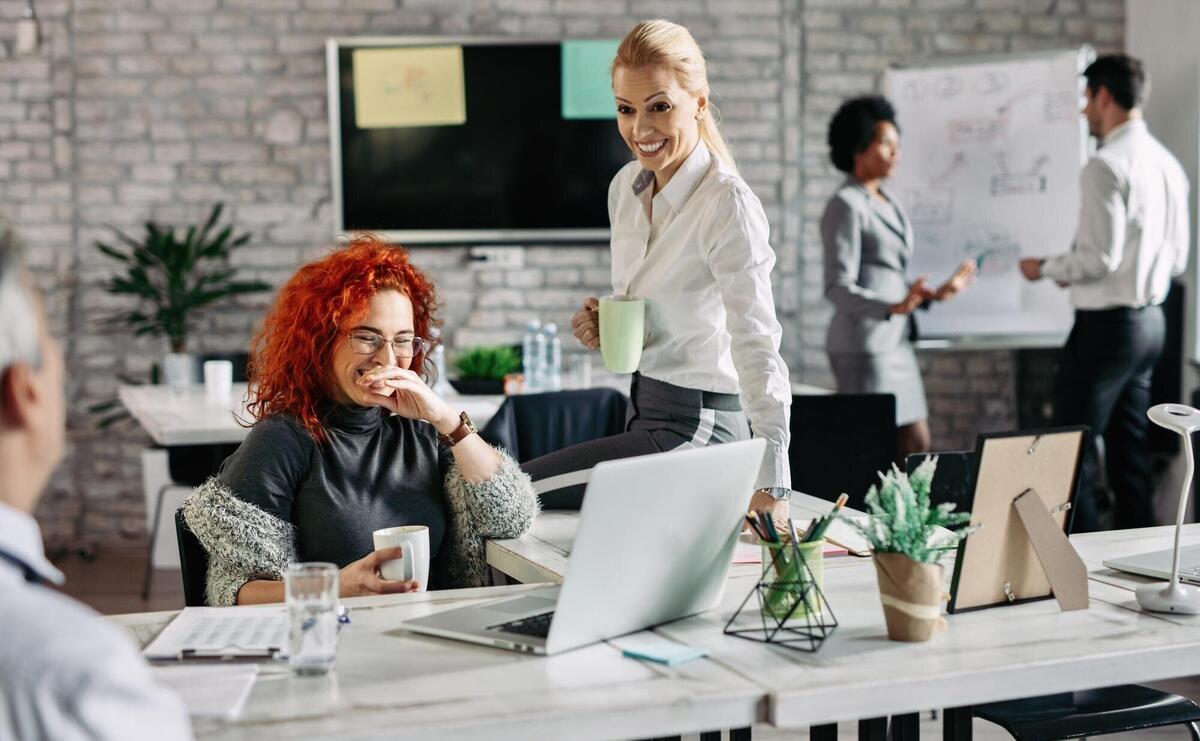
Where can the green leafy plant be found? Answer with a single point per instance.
(491, 362)
(175, 274)
(902, 520)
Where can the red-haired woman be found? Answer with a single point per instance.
(349, 438)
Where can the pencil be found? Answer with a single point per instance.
(752, 518)
(828, 520)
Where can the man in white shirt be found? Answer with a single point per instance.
(65, 672)
(1133, 238)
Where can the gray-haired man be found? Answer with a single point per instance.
(65, 673)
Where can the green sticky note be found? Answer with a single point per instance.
(587, 78)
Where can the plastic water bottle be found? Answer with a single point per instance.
(553, 377)
(530, 359)
(540, 353)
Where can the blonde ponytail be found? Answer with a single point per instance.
(666, 44)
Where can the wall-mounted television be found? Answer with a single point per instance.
(472, 140)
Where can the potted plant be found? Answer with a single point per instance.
(175, 274)
(481, 370)
(908, 537)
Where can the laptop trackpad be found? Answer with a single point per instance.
(522, 605)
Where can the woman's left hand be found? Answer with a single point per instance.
(402, 391)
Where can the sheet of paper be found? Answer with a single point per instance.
(210, 690)
(587, 78)
(223, 631)
(409, 86)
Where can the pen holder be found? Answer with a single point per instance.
(786, 577)
(792, 610)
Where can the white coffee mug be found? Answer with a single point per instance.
(413, 541)
(218, 380)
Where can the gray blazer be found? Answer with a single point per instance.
(867, 247)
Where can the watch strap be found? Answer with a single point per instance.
(465, 427)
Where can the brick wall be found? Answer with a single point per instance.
(137, 109)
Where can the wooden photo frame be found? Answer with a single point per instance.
(996, 564)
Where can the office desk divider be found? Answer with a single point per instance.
(791, 607)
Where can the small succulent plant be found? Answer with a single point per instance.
(902, 520)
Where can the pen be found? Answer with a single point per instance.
(821, 527)
(752, 518)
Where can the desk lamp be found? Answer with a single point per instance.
(1175, 597)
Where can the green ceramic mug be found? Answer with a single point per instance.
(622, 331)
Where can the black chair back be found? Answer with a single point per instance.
(193, 561)
(952, 479)
(840, 443)
(532, 425)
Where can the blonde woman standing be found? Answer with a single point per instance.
(690, 238)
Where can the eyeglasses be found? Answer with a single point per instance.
(366, 342)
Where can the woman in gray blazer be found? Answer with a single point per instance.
(868, 242)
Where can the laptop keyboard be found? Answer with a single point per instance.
(534, 625)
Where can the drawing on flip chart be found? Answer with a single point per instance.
(1062, 106)
(930, 205)
(975, 130)
(991, 82)
(948, 86)
(1030, 182)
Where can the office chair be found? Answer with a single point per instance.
(193, 563)
(840, 443)
(1127, 707)
(189, 466)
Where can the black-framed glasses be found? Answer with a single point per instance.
(366, 342)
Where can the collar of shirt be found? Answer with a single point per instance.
(682, 184)
(1119, 130)
(21, 537)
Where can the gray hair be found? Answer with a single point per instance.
(19, 322)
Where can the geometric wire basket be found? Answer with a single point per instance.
(792, 609)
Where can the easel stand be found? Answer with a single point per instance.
(792, 613)
(1063, 567)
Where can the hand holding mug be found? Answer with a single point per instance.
(407, 561)
(586, 324)
(362, 577)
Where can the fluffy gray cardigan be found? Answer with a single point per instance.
(245, 543)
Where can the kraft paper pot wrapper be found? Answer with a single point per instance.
(911, 593)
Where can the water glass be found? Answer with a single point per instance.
(577, 371)
(311, 590)
(178, 371)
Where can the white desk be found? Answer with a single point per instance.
(187, 418)
(986, 656)
(393, 684)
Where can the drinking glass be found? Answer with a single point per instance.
(311, 590)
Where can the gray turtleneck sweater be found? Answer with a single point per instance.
(321, 502)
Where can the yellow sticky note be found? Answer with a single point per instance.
(411, 86)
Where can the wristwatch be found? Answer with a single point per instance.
(779, 493)
(465, 427)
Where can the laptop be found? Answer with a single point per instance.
(1157, 564)
(655, 543)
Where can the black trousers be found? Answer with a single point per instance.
(1103, 382)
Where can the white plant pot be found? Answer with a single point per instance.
(179, 369)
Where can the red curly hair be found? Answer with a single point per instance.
(292, 352)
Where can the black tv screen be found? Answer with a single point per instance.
(469, 141)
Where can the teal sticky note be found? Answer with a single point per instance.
(650, 648)
(587, 78)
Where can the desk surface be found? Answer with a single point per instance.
(987, 655)
(186, 417)
(405, 686)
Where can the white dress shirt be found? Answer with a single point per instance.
(698, 253)
(1133, 224)
(65, 672)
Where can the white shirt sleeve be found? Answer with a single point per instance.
(1179, 233)
(87, 682)
(1100, 242)
(741, 259)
